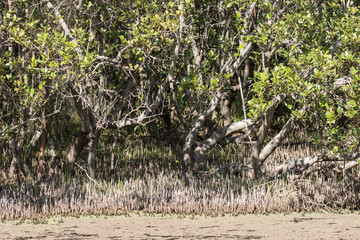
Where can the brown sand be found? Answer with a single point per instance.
(274, 226)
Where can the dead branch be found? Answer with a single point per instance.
(304, 166)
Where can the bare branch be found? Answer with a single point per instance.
(268, 118)
(338, 83)
(218, 136)
(304, 165)
(300, 163)
(229, 67)
(63, 25)
(277, 140)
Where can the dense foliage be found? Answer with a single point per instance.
(77, 76)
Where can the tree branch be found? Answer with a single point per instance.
(194, 131)
(217, 137)
(277, 140)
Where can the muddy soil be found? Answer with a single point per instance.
(274, 226)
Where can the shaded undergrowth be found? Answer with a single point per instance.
(158, 187)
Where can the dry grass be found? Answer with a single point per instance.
(157, 187)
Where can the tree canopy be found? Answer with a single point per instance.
(77, 72)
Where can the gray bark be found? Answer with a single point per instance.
(306, 166)
(248, 72)
(177, 109)
(75, 149)
(86, 136)
(263, 132)
(196, 54)
(91, 155)
(52, 153)
(112, 157)
(17, 163)
(347, 166)
(236, 169)
(87, 119)
(187, 150)
(63, 25)
(33, 143)
(231, 66)
(225, 109)
(297, 165)
(199, 153)
(276, 141)
(338, 83)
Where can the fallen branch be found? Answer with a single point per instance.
(236, 169)
(347, 167)
(298, 165)
(303, 166)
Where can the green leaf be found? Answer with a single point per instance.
(339, 110)
(353, 71)
(289, 106)
(241, 47)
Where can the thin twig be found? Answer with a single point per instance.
(88, 176)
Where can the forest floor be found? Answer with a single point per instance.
(250, 226)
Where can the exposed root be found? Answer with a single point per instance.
(171, 194)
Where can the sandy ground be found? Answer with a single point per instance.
(274, 226)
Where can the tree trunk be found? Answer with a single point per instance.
(248, 73)
(87, 134)
(80, 142)
(306, 166)
(276, 141)
(52, 155)
(177, 108)
(199, 153)
(41, 168)
(263, 132)
(226, 109)
(187, 150)
(17, 163)
(91, 155)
